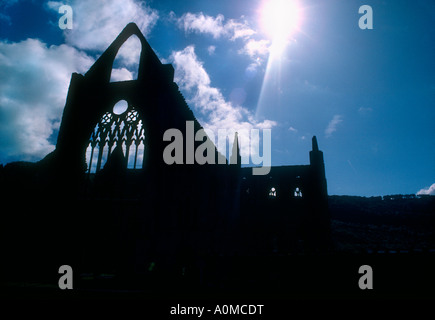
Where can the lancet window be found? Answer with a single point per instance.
(298, 193)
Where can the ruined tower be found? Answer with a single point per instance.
(108, 203)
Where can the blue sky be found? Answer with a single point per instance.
(368, 95)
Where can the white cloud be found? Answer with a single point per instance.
(332, 126)
(256, 48)
(97, 24)
(215, 26)
(231, 29)
(213, 111)
(121, 74)
(238, 29)
(35, 80)
(211, 50)
(428, 191)
(364, 111)
(201, 23)
(252, 69)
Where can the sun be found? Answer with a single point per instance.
(280, 19)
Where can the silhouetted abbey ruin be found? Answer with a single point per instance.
(104, 201)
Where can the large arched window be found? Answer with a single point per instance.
(120, 128)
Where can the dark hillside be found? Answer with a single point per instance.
(389, 223)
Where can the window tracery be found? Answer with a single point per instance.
(123, 130)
